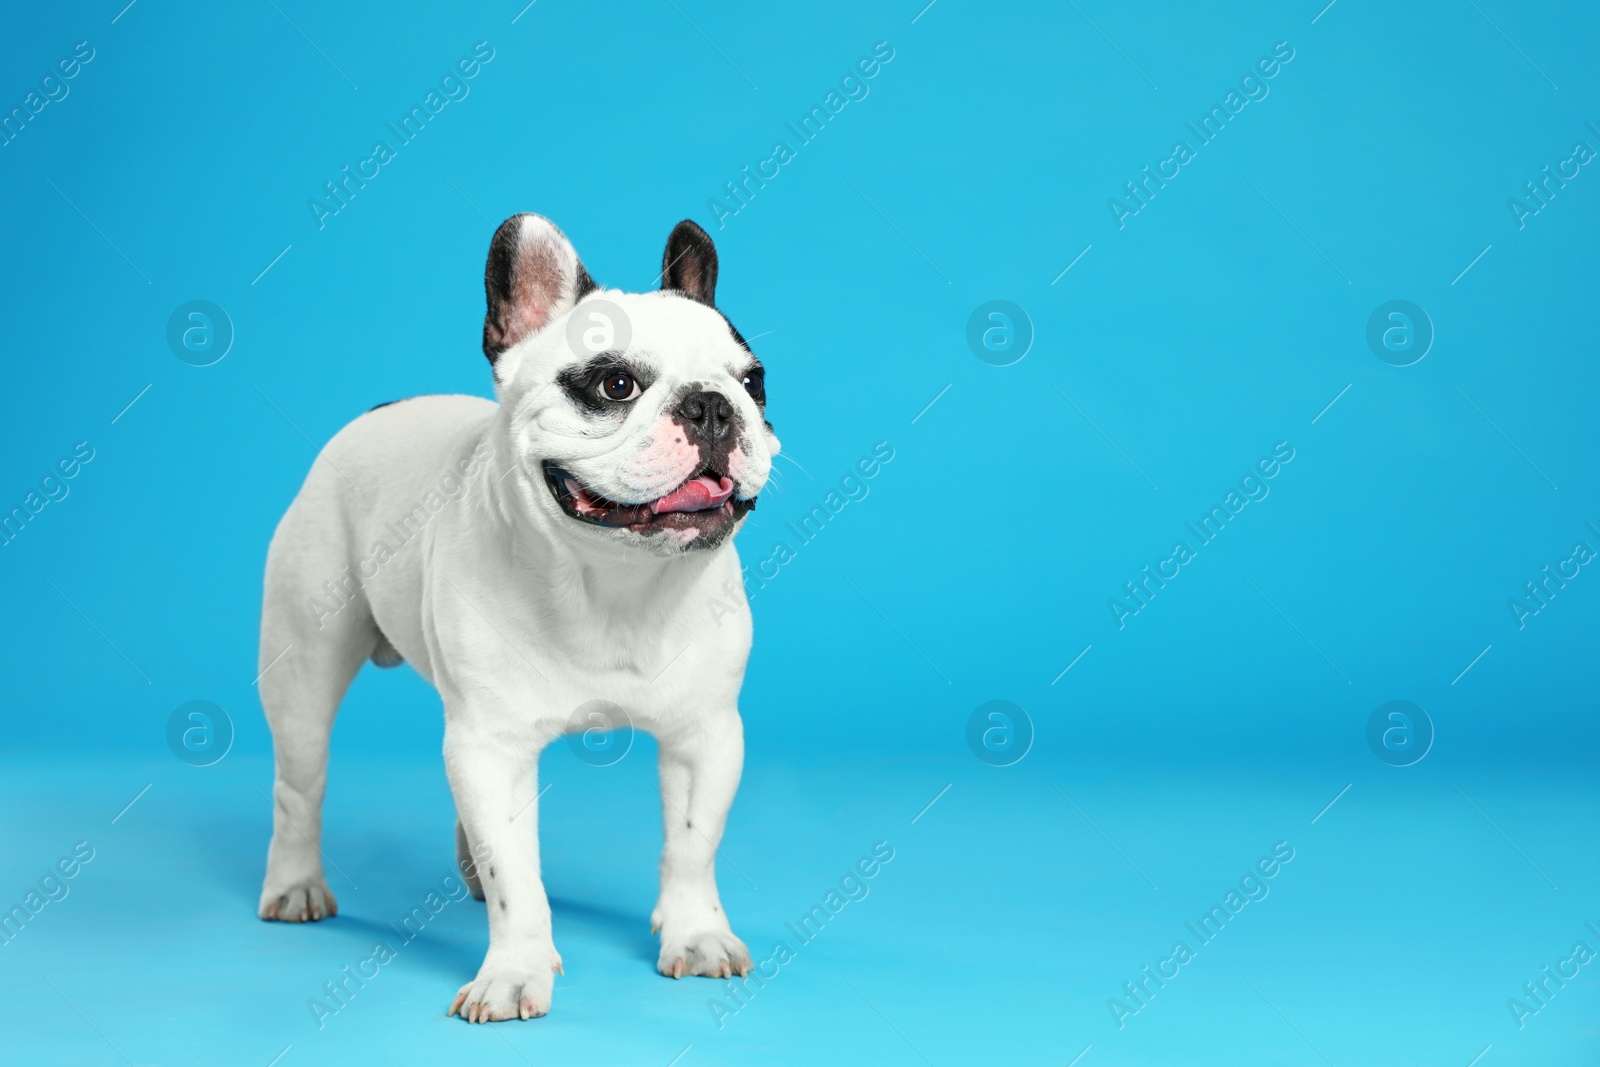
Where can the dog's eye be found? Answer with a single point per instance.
(755, 383)
(620, 386)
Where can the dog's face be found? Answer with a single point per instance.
(640, 418)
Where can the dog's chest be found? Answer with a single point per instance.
(650, 662)
(566, 648)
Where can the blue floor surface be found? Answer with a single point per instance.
(1396, 924)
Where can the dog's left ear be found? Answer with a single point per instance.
(533, 276)
(689, 264)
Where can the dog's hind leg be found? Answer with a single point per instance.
(311, 647)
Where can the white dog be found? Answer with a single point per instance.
(529, 558)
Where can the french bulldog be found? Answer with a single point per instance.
(530, 557)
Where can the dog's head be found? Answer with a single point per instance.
(639, 417)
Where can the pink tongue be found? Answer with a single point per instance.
(697, 494)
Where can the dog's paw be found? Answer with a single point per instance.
(709, 954)
(500, 993)
(305, 901)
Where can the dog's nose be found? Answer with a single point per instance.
(709, 413)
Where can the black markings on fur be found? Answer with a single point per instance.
(581, 383)
(758, 372)
(689, 264)
(386, 403)
(491, 872)
(499, 274)
(710, 422)
(504, 289)
(502, 906)
(755, 364)
(583, 285)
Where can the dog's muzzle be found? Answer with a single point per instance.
(704, 503)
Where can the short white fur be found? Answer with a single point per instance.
(519, 615)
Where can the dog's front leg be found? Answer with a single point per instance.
(699, 776)
(497, 801)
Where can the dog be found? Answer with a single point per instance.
(531, 557)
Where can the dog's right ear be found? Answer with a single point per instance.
(533, 276)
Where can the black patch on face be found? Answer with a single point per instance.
(386, 403)
(755, 365)
(710, 422)
(737, 336)
(689, 264)
(581, 383)
(756, 375)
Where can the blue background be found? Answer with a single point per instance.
(1221, 319)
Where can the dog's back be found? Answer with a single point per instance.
(345, 557)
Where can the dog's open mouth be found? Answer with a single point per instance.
(704, 502)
